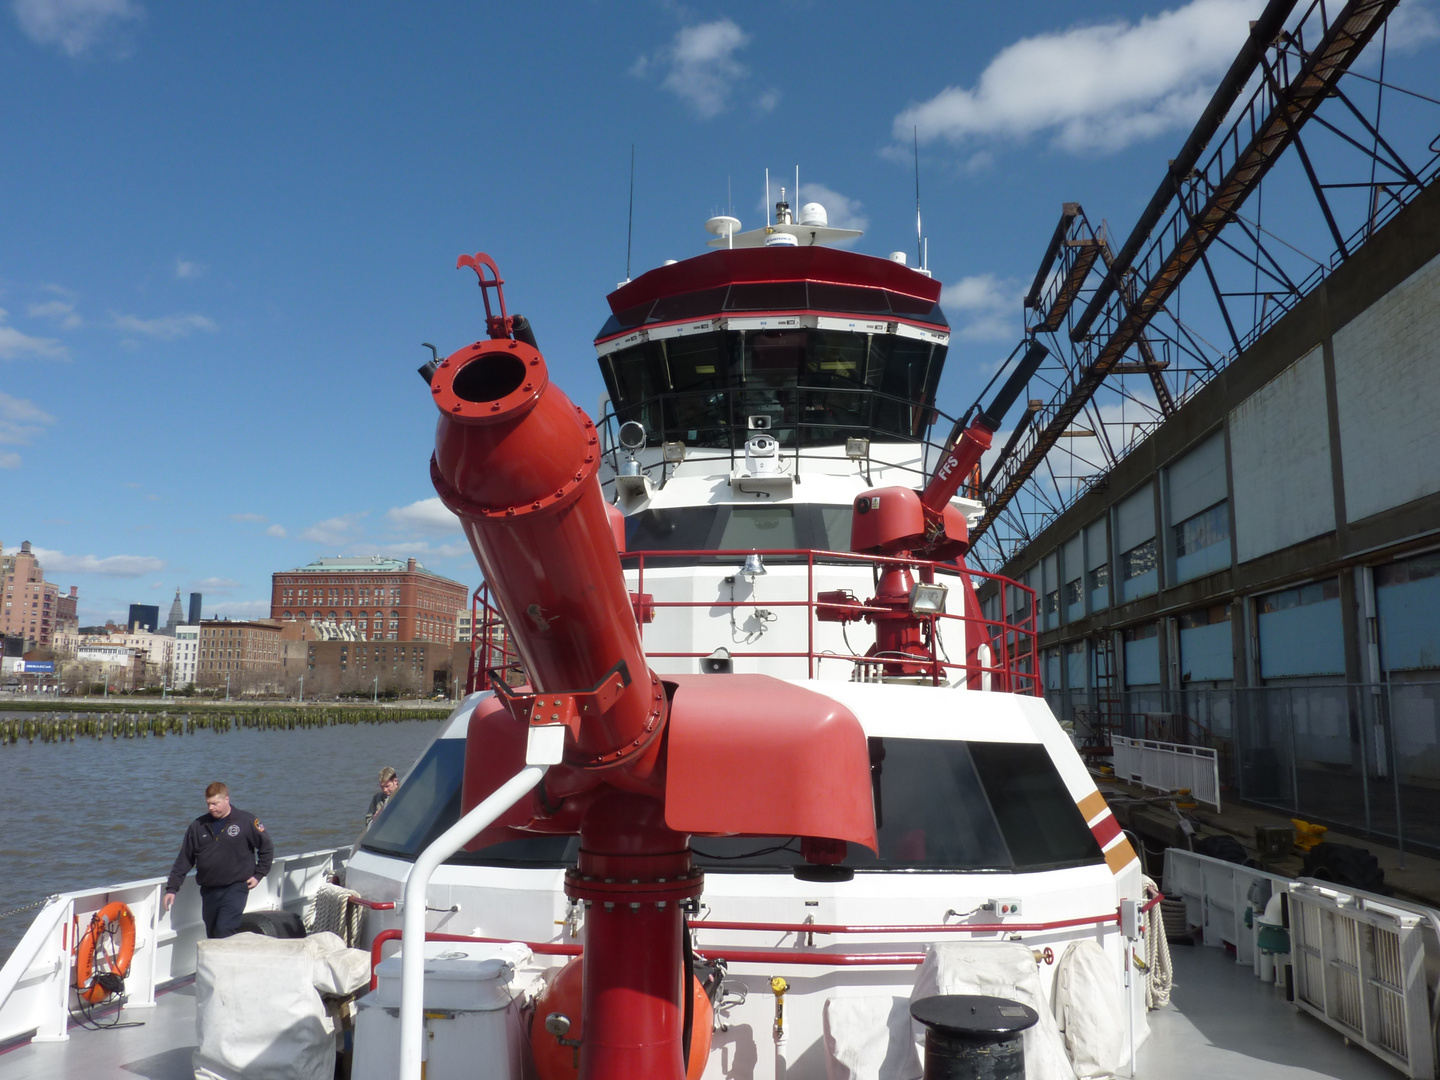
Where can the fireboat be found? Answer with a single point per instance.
(753, 767)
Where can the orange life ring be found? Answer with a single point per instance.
(89, 956)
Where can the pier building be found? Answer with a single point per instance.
(381, 599)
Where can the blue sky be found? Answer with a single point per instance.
(227, 228)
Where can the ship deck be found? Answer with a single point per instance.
(1222, 1022)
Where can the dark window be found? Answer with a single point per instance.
(1138, 560)
(1052, 602)
(1313, 593)
(848, 298)
(1100, 577)
(1073, 593)
(740, 528)
(1205, 529)
(694, 305)
(428, 803)
(946, 806)
(681, 529)
(766, 296)
(1215, 613)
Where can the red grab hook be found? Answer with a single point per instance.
(499, 326)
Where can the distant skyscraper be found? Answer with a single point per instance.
(176, 617)
(194, 619)
(146, 615)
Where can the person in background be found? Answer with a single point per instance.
(389, 784)
(231, 852)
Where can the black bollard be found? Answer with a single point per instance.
(968, 1037)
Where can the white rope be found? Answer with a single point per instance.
(1160, 976)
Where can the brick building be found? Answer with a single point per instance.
(33, 608)
(379, 599)
(242, 655)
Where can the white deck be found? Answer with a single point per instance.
(1223, 1023)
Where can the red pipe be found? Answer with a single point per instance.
(516, 461)
(818, 959)
(942, 928)
(373, 905)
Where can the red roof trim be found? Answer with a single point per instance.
(936, 327)
(755, 265)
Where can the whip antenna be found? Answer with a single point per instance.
(919, 243)
(630, 228)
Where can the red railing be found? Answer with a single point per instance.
(1014, 666)
(811, 957)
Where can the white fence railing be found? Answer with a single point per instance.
(1358, 960)
(1164, 766)
(35, 983)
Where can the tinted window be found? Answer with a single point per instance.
(428, 803)
(688, 305)
(946, 806)
(685, 528)
(854, 298)
(767, 296)
(762, 527)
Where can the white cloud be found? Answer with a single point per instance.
(335, 532)
(76, 26)
(9, 461)
(14, 344)
(166, 327)
(110, 566)
(186, 270)
(276, 530)
(215, 584)
(242, 609)
(1098, 88)
(249, 517)
(991, 304)
(425, 516)
(841, 211)
(60, 311)
(701, 68)
(20, 421)
(1411, 26)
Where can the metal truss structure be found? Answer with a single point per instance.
(1127, 345)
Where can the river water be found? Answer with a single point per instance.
(100, 811)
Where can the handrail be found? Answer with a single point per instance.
(1013, 643)
(937, 928)
(412, 970)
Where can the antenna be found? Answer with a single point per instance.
(767, 198)
(797, 187)
(630, 228)
(919, 243)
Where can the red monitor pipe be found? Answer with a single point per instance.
(966, 451)
(516, 461)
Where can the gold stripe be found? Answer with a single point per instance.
(1120, 856)
(1091, 805)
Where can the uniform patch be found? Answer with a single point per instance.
(258, 826)
(233, 830)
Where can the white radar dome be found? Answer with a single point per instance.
(897, 257)
(812, 213)
(781, 239)
(723, 225)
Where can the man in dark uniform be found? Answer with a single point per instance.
(231, 852)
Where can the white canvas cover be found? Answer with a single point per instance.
(869, 1038)
(1090, 1011)
(258, 1012)
(997, 969)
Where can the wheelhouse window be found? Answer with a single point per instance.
(816, 386)
(940, 805)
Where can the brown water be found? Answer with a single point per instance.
(99, 812)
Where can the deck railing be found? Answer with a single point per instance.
(36, 982)
(1007, 662)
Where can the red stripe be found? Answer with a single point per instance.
(1106, 829)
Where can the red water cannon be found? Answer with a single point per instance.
(517, 462)
(902, 524)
